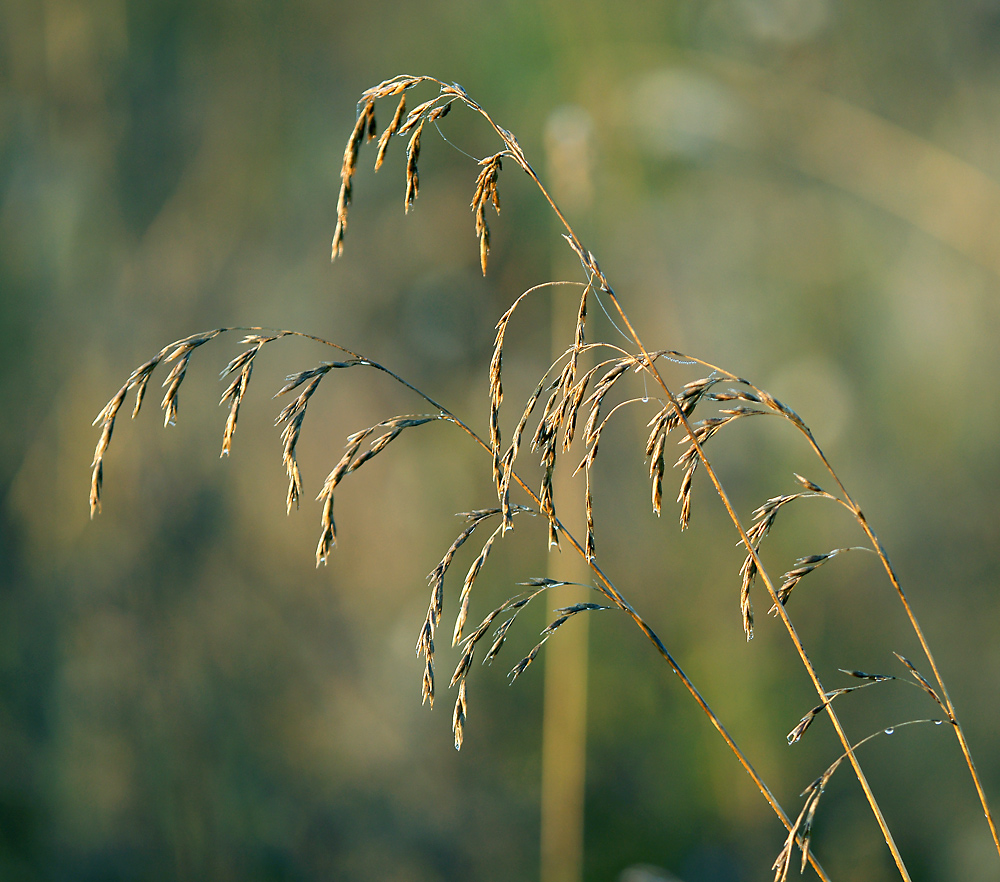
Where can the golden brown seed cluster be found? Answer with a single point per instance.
(486, 191)
(411, 123)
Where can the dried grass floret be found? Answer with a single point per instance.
(564, 614)
(138, 380)
(579, 337)
(806, 721)
(799, 833)
(763, 521)
(804, 566)
(809, 485)
(575, 398)
(390, 130)
(470, 578)
(412, 175)
(514, 606)
(924, 684)
(181, 355)
(390, 87)
(458, 717)
(351, 462)
(801, 830)
(416, 116)
(425, 640)
(365, 124)
(242, 366)
(436, 577)
(590, 546)
(506, 464)
(486, 191)
(601, 389)
(656, 464)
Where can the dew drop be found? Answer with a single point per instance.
(890, 730)
(938, 722)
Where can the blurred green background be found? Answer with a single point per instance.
(802, 191)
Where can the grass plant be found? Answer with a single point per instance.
(579, 397)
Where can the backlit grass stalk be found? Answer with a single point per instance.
(562, 392)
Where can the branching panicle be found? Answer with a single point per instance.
(568, 392)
